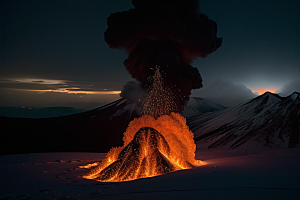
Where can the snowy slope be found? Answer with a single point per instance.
(196, 106)
(268, 120)
(232, 175)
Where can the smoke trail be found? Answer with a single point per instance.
(168, 33)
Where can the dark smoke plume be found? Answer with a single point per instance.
(167, 33)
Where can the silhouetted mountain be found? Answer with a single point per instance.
(267, 120)
(93, 131)
(32, 112)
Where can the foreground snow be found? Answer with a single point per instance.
(231, 174)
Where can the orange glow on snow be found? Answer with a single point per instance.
(165, 145)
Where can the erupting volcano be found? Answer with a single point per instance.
(156, 143)
(168, 34)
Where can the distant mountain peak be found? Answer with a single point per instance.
(271, 94)
(264, 100)
(294, 96)
(197, 105)
(268, 93)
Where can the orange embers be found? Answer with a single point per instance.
(151, 147)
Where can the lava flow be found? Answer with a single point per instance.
(156, 143)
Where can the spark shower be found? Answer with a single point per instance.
(169, 34)
(156, 143)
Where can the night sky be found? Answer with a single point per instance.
(53, 53)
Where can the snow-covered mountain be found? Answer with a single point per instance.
(265, 121)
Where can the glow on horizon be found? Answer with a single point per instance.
(72, 91)
(261, 91)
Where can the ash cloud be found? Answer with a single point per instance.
(226, 93)
(167, 33)
(132, 91)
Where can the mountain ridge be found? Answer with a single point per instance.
(265, 121)
(268, 120)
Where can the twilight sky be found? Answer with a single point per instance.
(53, 52)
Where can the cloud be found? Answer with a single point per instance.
(36, 81)
(289, 88)
(225, 93)
(27, 92)
(52, 85)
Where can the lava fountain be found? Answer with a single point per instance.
(156, 143)
(171, 34)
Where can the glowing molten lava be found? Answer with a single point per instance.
(151, 147)
(156, 143)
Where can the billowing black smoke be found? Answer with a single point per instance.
(167, 33)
